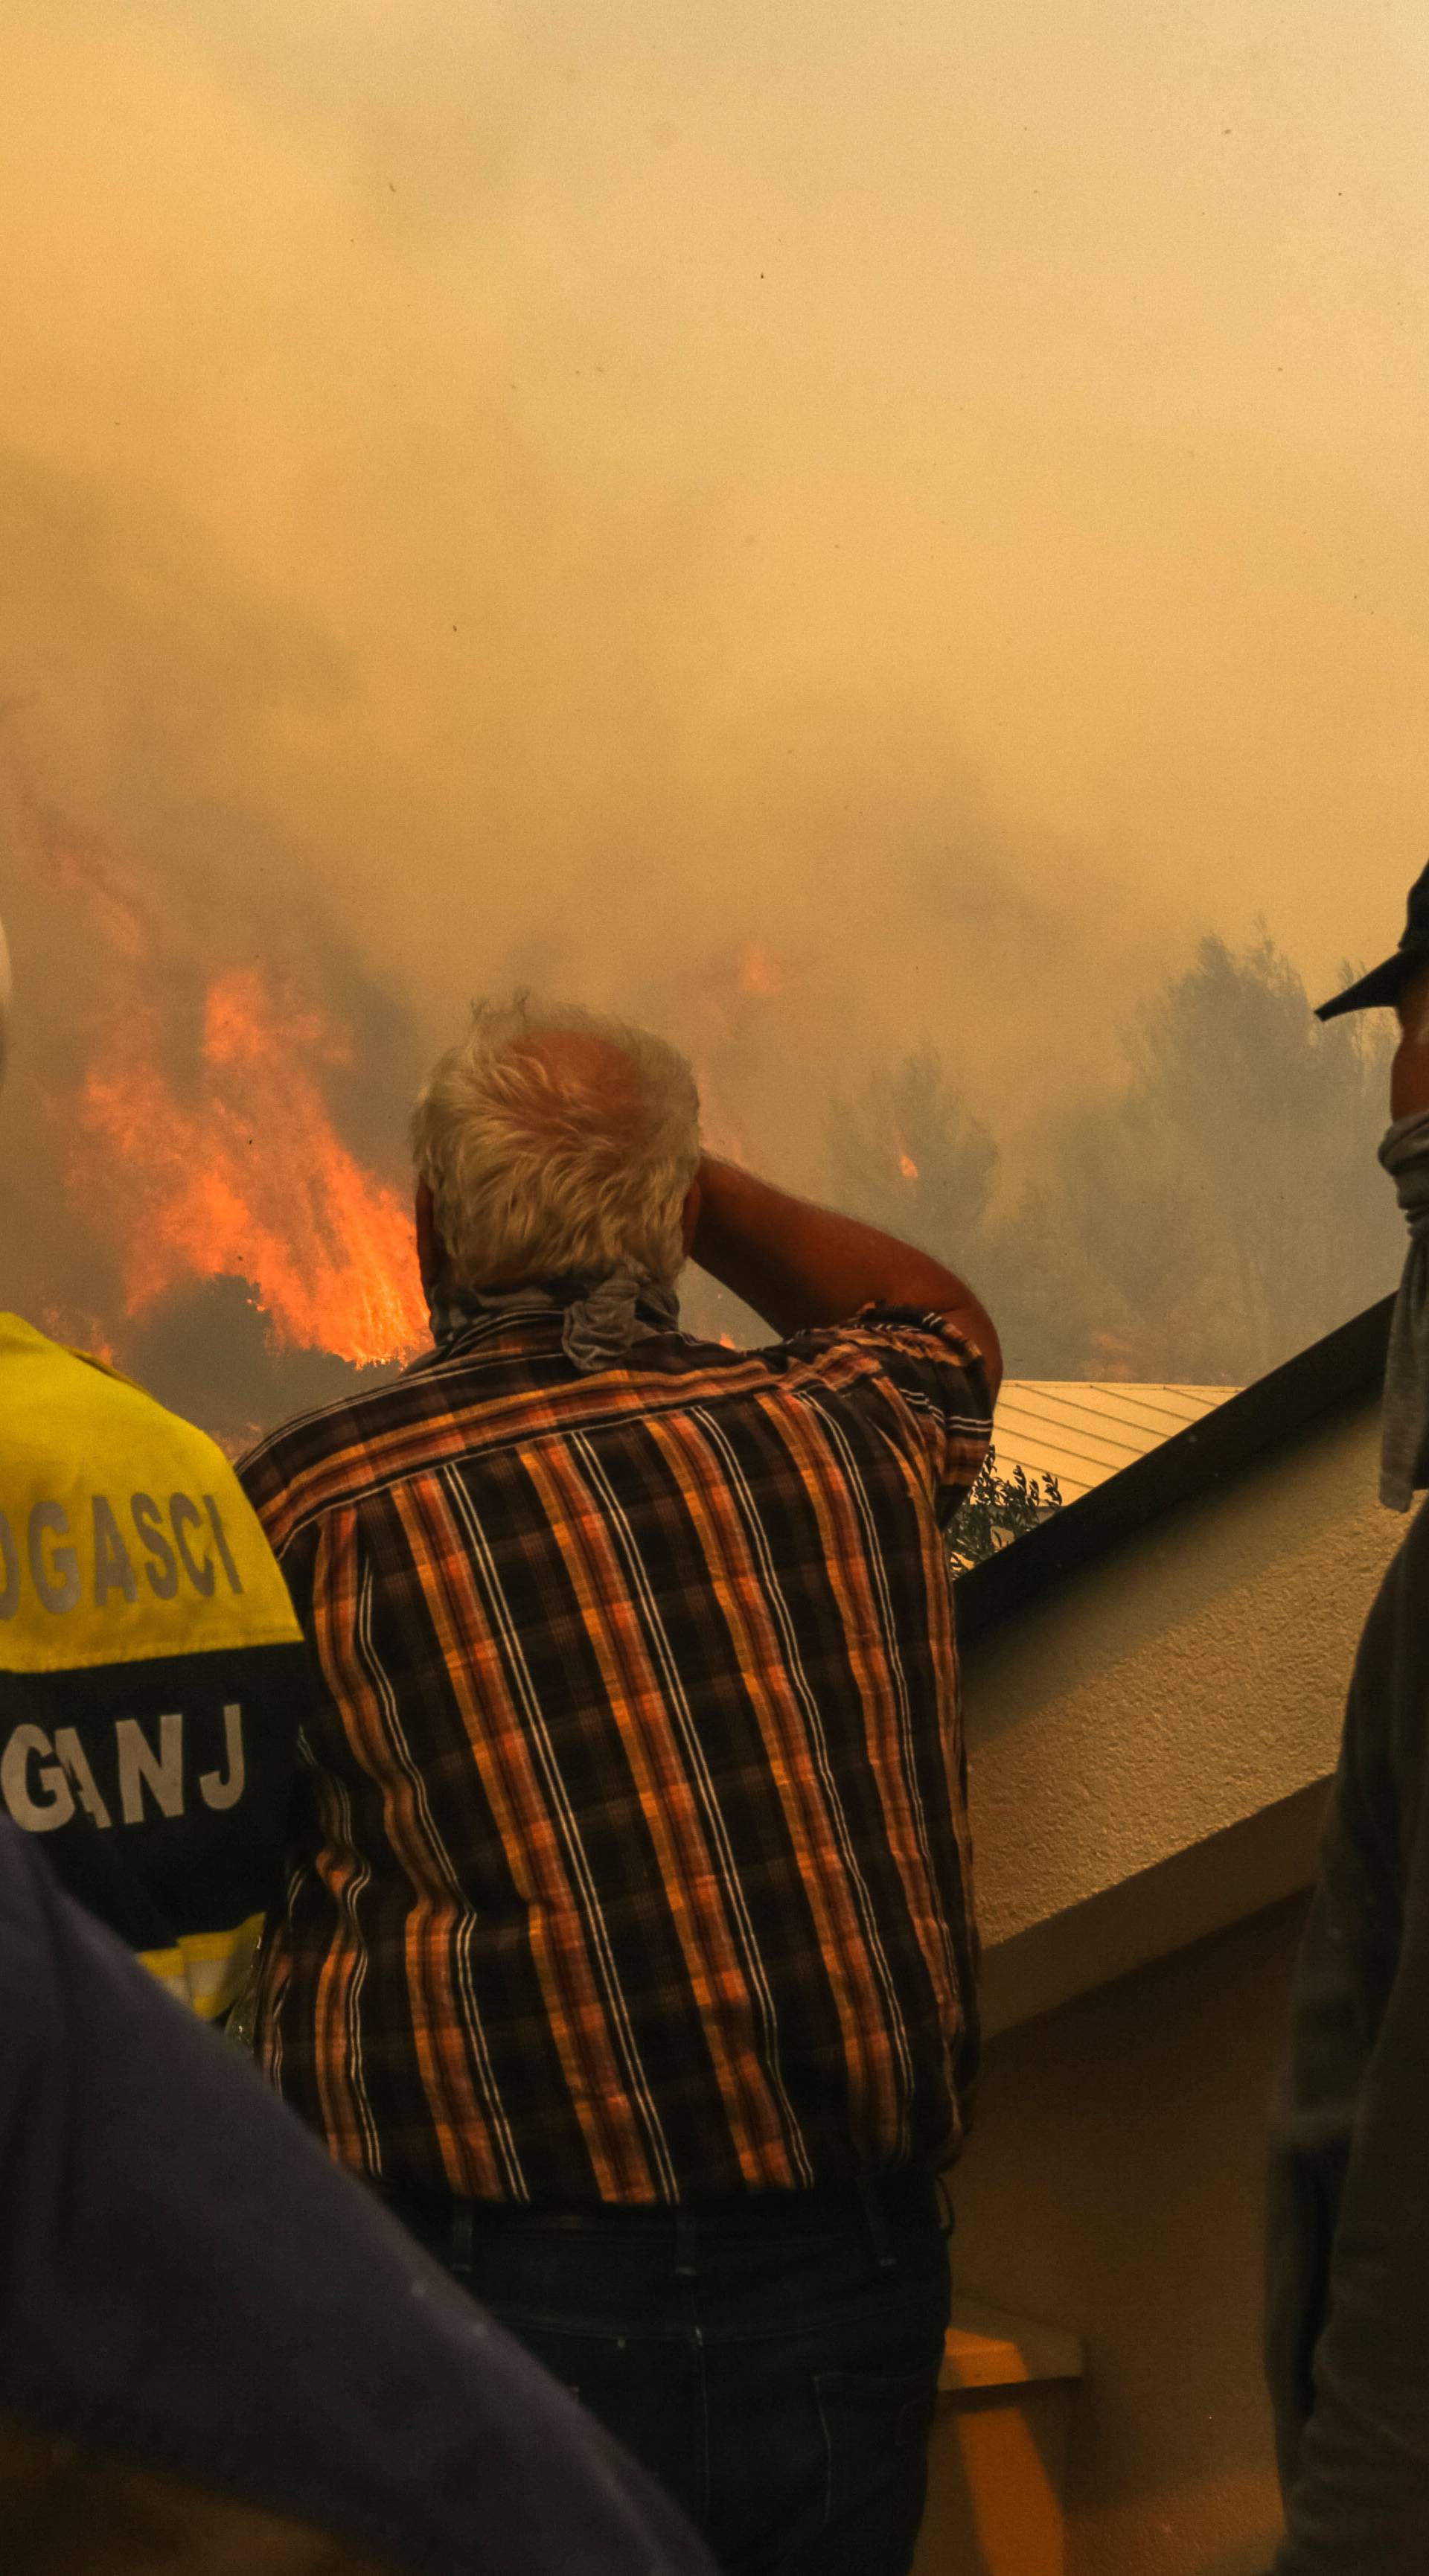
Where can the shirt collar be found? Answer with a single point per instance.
(601, 1318)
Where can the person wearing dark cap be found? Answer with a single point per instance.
(219, 2356)
(1401, 984)
(1347, 2324)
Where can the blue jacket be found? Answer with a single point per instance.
(187, 2281)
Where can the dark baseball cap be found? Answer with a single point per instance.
(1383, 985)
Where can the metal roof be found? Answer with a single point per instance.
(1345, 1369)
(1081, 1432)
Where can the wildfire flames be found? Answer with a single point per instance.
(760, 975)
(907, 1167)
(722, 999)
(248, 1179)
(226, 1164)
(200, 1138)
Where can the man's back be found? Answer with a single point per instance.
(637, 1869)
(629, 1942)
(151, 1671)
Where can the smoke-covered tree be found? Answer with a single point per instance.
(1224, 1208)
(1217, 1209)
(911, 1156)
(908, 1153)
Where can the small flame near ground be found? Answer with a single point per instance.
(761, 974)
(907, 1167)
(721, 999)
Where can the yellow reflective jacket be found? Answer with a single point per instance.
(151, 1667)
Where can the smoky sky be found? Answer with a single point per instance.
(823, 528)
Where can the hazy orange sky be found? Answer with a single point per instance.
(936, 490)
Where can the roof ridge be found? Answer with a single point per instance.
(1344, 1366)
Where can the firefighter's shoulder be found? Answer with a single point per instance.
(124, 1533)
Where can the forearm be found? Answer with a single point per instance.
(798, 1264)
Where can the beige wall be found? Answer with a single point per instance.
(1151, 1708)
(1113, 2185)
(1149, 1742)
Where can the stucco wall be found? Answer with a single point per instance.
(1191, 1680)
(1113, 2185)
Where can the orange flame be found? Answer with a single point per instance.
(247, 1178)
(907, 1167)
(240, 1171)
(721, 1000)
(760, 974)
(76, 864)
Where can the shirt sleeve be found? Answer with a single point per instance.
(1359, 2489)
(932, 1380)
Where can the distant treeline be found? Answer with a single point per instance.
(1216, 1210)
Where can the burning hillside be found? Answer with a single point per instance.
(204, 1149)
(216, 1216)
(240, 1173)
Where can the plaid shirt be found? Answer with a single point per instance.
(633, 1860)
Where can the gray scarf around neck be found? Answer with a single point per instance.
(602, 1317)
(1404, 1456)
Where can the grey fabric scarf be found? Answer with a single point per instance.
(1404, 1456)
(603, 1317)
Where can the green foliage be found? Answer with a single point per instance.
(999, 1509)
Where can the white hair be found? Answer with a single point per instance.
(555, 1141)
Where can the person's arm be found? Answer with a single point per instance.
(799, 1265)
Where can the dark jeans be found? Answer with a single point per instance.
(773, 2363)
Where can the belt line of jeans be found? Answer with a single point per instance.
(686, 2224)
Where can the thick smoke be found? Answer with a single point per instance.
(792, 526)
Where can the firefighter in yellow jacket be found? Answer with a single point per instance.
(151, 1667)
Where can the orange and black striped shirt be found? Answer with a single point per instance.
(632, 1861)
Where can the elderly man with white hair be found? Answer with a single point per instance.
(216, 2351)
(629, 1945)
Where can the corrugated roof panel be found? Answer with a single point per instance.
(1082, 1431)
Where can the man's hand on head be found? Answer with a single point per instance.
(797, 1264)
